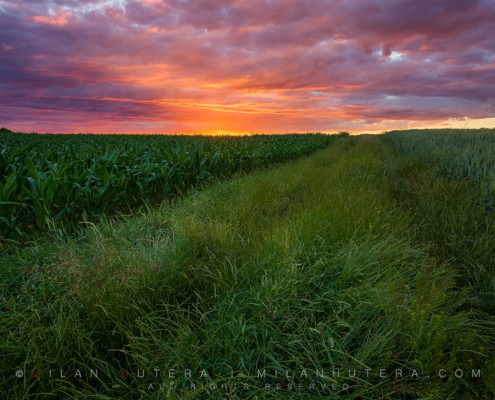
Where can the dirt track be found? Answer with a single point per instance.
(367, 138)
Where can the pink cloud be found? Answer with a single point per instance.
(245, 65)
(61, 18)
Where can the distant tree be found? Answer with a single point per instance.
(5, 130)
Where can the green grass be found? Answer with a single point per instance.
(457, 153)
(455, 212)
(335, 261)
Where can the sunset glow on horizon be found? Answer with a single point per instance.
(237, 66)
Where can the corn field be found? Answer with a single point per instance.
(460, 154)
(63, 178)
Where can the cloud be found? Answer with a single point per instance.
(245, 66)
(60, 18)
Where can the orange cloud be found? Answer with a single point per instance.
(59, 19)
(245, 66)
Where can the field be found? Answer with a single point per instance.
(276, 274)
(60, 179)
(459, 154)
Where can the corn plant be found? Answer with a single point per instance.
(62, 177)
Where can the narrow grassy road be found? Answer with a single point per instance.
(322, 264)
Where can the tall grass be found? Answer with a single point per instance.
(313, 265)
(457, 153)
(451, 190)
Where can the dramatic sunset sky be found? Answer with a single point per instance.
(237, 66)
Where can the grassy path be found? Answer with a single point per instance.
(326, 263)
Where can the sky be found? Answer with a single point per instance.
(246, 66)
